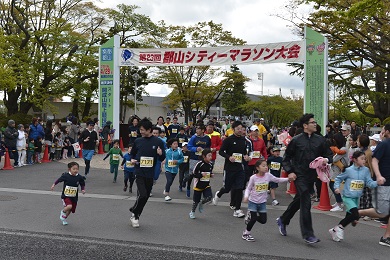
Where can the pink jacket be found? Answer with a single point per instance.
(323, 171)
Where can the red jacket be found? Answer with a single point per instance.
(258, 146)
(216, 142)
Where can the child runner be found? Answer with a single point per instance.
(183, 138)
(184, 168)
(202, 174)
(275, 167)
(129, 169)
(256, 194)
(174, 157)
(114, 154)
(355, 177)
(70, 190)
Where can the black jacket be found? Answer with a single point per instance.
(11, 137)
(301, 151)
(233, 144)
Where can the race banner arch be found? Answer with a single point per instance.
(312, 51)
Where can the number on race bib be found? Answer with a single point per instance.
(172, 163)
(70, 191)
(129, 164)
(185, 159)
(237, 157)
(356, 185)
(275, 166)
(115, 157)
(146, 162)
(205, 177)
(261, 187)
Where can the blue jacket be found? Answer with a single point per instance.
(198, 141)
(356, 178)
(173, 155)
(36, 131)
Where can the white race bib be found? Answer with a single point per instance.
(115, 157)
(129, 164)
(172, 163)
(255, 154)
(237, 157)
(356, 185)
(174, 131)
(70, 191)
(275, 166)
(206, 177)
(133, 133)
(181, 140)
(199, 152)
(185, 159)
(146, 162)
(261, 187)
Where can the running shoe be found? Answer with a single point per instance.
(125, 188)
(339, 232)
(188, 194)
(232, 207)
(192, 215)
(62, 215)
(238, 213)
(64, 222)
(248, 237)
(337, 208)
(312, 240)
(134, 222)
(275, 202)
(167, 198)
(164, 193)
(200, 207)
(180, 189)
(333, 233)
(282, 227)
(215, 199)
(131, 190)
(384, 241)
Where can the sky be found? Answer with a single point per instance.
(253, 21)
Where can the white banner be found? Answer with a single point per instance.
(76, 147)
(284, 52)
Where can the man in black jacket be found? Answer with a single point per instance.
(300, 152)
(10, 138)
(89, 139)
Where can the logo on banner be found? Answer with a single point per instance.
(126, 56)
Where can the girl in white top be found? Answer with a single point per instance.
(21, 145)
(256, 195)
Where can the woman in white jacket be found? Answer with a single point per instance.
(21, 145)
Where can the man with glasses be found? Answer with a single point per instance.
(300, 152)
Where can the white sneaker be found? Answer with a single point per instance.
(215, 199)
(339, 232)
(164, 193)
(275, 202)
(366, 218)
(167, 198)
(337, 208)
(134, 222)
(333, 233)
(334, 205)
(238, 214)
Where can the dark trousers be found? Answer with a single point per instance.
(301, 202)
(170, 178)
(234, 182)
(144, 187)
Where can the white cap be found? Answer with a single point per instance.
(376, 137)
(253, 128)
(184, 143)
(261, 119)
(346, 128)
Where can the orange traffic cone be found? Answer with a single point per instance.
(324, 204)
(81, 151)
(7, 161)
(100, 151)
(46, 155)
(121, 144)
(292, 190)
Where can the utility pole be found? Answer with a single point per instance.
(260, 76)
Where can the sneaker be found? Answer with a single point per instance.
(248, 237)
(232, 207)
(275, 203)
(339, 232)
(167, 198)
(215, 199)
(125, 188)
(312, 240)
(200, 207)
(238, 213)
(333, 233)
(336, 208)
(134, 222)
(131, 190)
(384, 241)
(282, 227)
(164, 193)
(64, 222)
(114, 181)
(247, 217)
(192, 215)
(180, 189)
(366, 218)
(62, 216)
(188, 194)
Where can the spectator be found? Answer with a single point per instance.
(10, 138)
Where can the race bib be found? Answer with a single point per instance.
(181, 140)
(261, 187)
(133, 133)
(185, 159)
(146, 162)
(115, 157)
(255, 154)
(206, 177)
(129, 164)
(356, 185)
(199, 153)
(172, 163)
(237, 157)
(70, 191)
(275, 166)
(174, 131)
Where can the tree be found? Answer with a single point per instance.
(193, 87)
(359, 43)
(235, 96)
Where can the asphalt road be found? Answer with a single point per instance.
(30, 227)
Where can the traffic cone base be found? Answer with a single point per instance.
(121, 144)
(100, 151)
(7, 161)
(324, 204)
(45, 158)
(81, 151)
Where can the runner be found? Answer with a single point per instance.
(146, 150)
(302, 150)
(89, 139)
